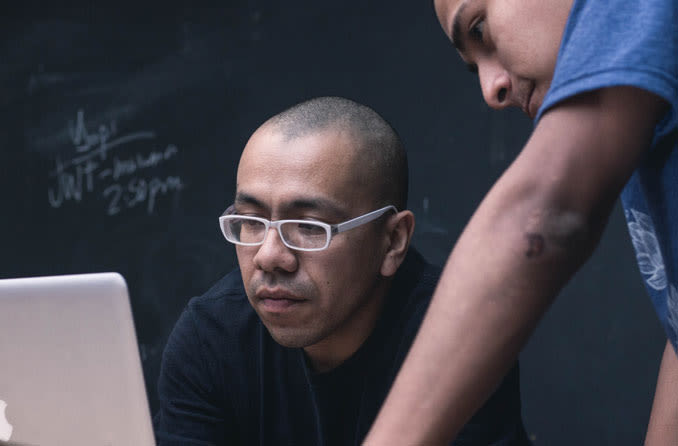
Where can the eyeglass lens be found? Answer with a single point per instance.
(307, 235)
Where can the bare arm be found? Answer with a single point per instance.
(663, 426)
(533, 230)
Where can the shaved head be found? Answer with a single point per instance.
(328, 160)
(379, 153)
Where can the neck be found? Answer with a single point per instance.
(332, 351)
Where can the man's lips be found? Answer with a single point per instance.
(276, 294)
(277, 300)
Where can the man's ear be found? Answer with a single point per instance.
(399, 230)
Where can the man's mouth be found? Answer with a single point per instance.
(278, 300)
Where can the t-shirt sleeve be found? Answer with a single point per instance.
(189, 412)
(619, 42)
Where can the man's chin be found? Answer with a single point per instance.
(292, 337)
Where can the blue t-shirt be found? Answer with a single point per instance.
(634, 43)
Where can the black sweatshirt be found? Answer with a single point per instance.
(225, 381)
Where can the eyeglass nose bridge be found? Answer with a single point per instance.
(277, 225)
(268, 225)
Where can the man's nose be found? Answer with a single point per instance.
(273, 254)
(495, 83)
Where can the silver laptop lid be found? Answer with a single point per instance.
(70, 371)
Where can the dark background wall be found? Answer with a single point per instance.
(120, 132)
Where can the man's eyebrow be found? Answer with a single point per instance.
(458, 37)
(315, 203)
(245, 198)
(304, 203)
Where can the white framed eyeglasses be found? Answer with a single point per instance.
(302, 235)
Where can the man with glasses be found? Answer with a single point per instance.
(301, 343)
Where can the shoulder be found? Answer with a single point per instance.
(407, 301)
(416, 281)
(213, 341)
(205, 382)
(218, 324)
(499, 418)
(618, 43)
(224, 306)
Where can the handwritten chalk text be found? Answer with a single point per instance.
(139, 191)
(96, 167)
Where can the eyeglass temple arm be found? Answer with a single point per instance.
(355, 222)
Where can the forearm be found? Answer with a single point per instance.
(537, 225)
(472, 332)
(663, 427)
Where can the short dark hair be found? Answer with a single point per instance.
(380, 149)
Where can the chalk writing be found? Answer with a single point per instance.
(95, 168)
(128, 166)
(70, 183)
(138, 191)
(82, 139)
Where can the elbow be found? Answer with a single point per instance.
(559, 233)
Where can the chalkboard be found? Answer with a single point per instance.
(121, 131)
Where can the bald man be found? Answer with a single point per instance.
(300, 345)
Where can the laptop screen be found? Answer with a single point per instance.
(71, 370)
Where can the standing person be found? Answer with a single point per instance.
(600, 80)
(300, 344)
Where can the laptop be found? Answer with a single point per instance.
(70, 372)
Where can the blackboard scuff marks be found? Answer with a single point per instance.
(125, 180)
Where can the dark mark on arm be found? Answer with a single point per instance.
(535, 245)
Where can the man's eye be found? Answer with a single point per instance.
(477, 30)
(310, 229)
(251, 223)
